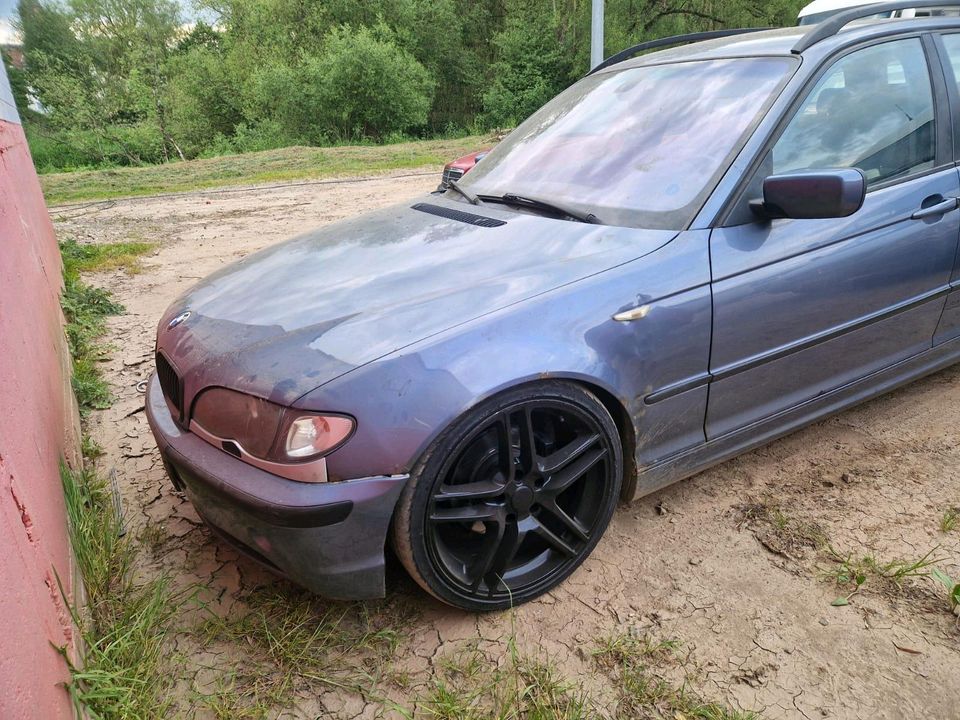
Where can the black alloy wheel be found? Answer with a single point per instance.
(512, 498)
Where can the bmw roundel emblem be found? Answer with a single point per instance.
(178, 319)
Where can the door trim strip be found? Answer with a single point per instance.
(727, 371)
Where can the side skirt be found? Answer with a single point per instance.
(690, 462)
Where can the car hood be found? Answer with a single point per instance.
(290, 318)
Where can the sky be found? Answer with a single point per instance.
(7, 8)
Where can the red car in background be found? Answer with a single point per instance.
(456, 169)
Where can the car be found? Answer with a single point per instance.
(456, 169)
(820, 10)
(683, 256)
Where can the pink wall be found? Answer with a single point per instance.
(37, 428)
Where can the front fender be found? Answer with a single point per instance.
(404, 401)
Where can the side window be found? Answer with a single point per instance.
(952, 45)
(872, 110)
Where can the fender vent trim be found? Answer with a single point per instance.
(458, 215)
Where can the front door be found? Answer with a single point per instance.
(802, 307)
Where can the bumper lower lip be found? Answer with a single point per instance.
(328, 537)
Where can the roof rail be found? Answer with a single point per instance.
(668, 41)
(835, 23)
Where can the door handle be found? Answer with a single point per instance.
(939, 208)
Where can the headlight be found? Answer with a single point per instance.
(313, 435)
(268, 431)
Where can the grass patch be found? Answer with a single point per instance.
(297, 641)
(86, 309)
(123, 626)
(469, 686)
(853, 574)
(89, 257)
(637, 665)
(294, 163)
(125, 671)
(778, 531)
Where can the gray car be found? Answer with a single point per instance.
(681, 257)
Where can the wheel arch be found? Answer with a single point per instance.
(607, 397)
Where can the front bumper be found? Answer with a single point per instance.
(328, 537)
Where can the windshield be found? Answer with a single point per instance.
(640, 147)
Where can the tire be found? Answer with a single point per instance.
(484, 528)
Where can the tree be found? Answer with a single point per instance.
(121, 81)
(533, 64)
(18, 85)
(99, 67)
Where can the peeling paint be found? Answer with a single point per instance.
(24, 515)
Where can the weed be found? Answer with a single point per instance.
(296, 638)
(153, 536)
(90, 257)
(778, 532)
(854, 573)
(90, 448)
(953, 589)
(86, 309)
(241, 698)
(470, 686)
(637, 664)
(123, 626)
(124, 671)
(950, 520)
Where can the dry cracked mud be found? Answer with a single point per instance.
(738, 564)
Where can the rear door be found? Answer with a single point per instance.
(949, 47)
(802, 307)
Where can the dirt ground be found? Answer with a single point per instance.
(739, 564)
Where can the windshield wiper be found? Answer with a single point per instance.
(471, 198)
(534, 204)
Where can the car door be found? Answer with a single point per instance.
(802, 307)
(949, 46)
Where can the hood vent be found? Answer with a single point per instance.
(458, 215)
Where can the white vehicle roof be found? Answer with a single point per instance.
(820, 6)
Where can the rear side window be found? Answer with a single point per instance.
(872, 110)
(952, 45)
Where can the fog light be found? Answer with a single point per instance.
(311, 435)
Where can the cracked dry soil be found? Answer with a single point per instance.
(701, 562)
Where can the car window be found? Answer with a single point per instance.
(872, 110)
(952, 45)
(641, 146)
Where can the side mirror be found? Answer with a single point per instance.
(812, 194)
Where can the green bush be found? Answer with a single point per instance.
(369, 87)
(201, 96)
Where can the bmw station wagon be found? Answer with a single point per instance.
(685, 255)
